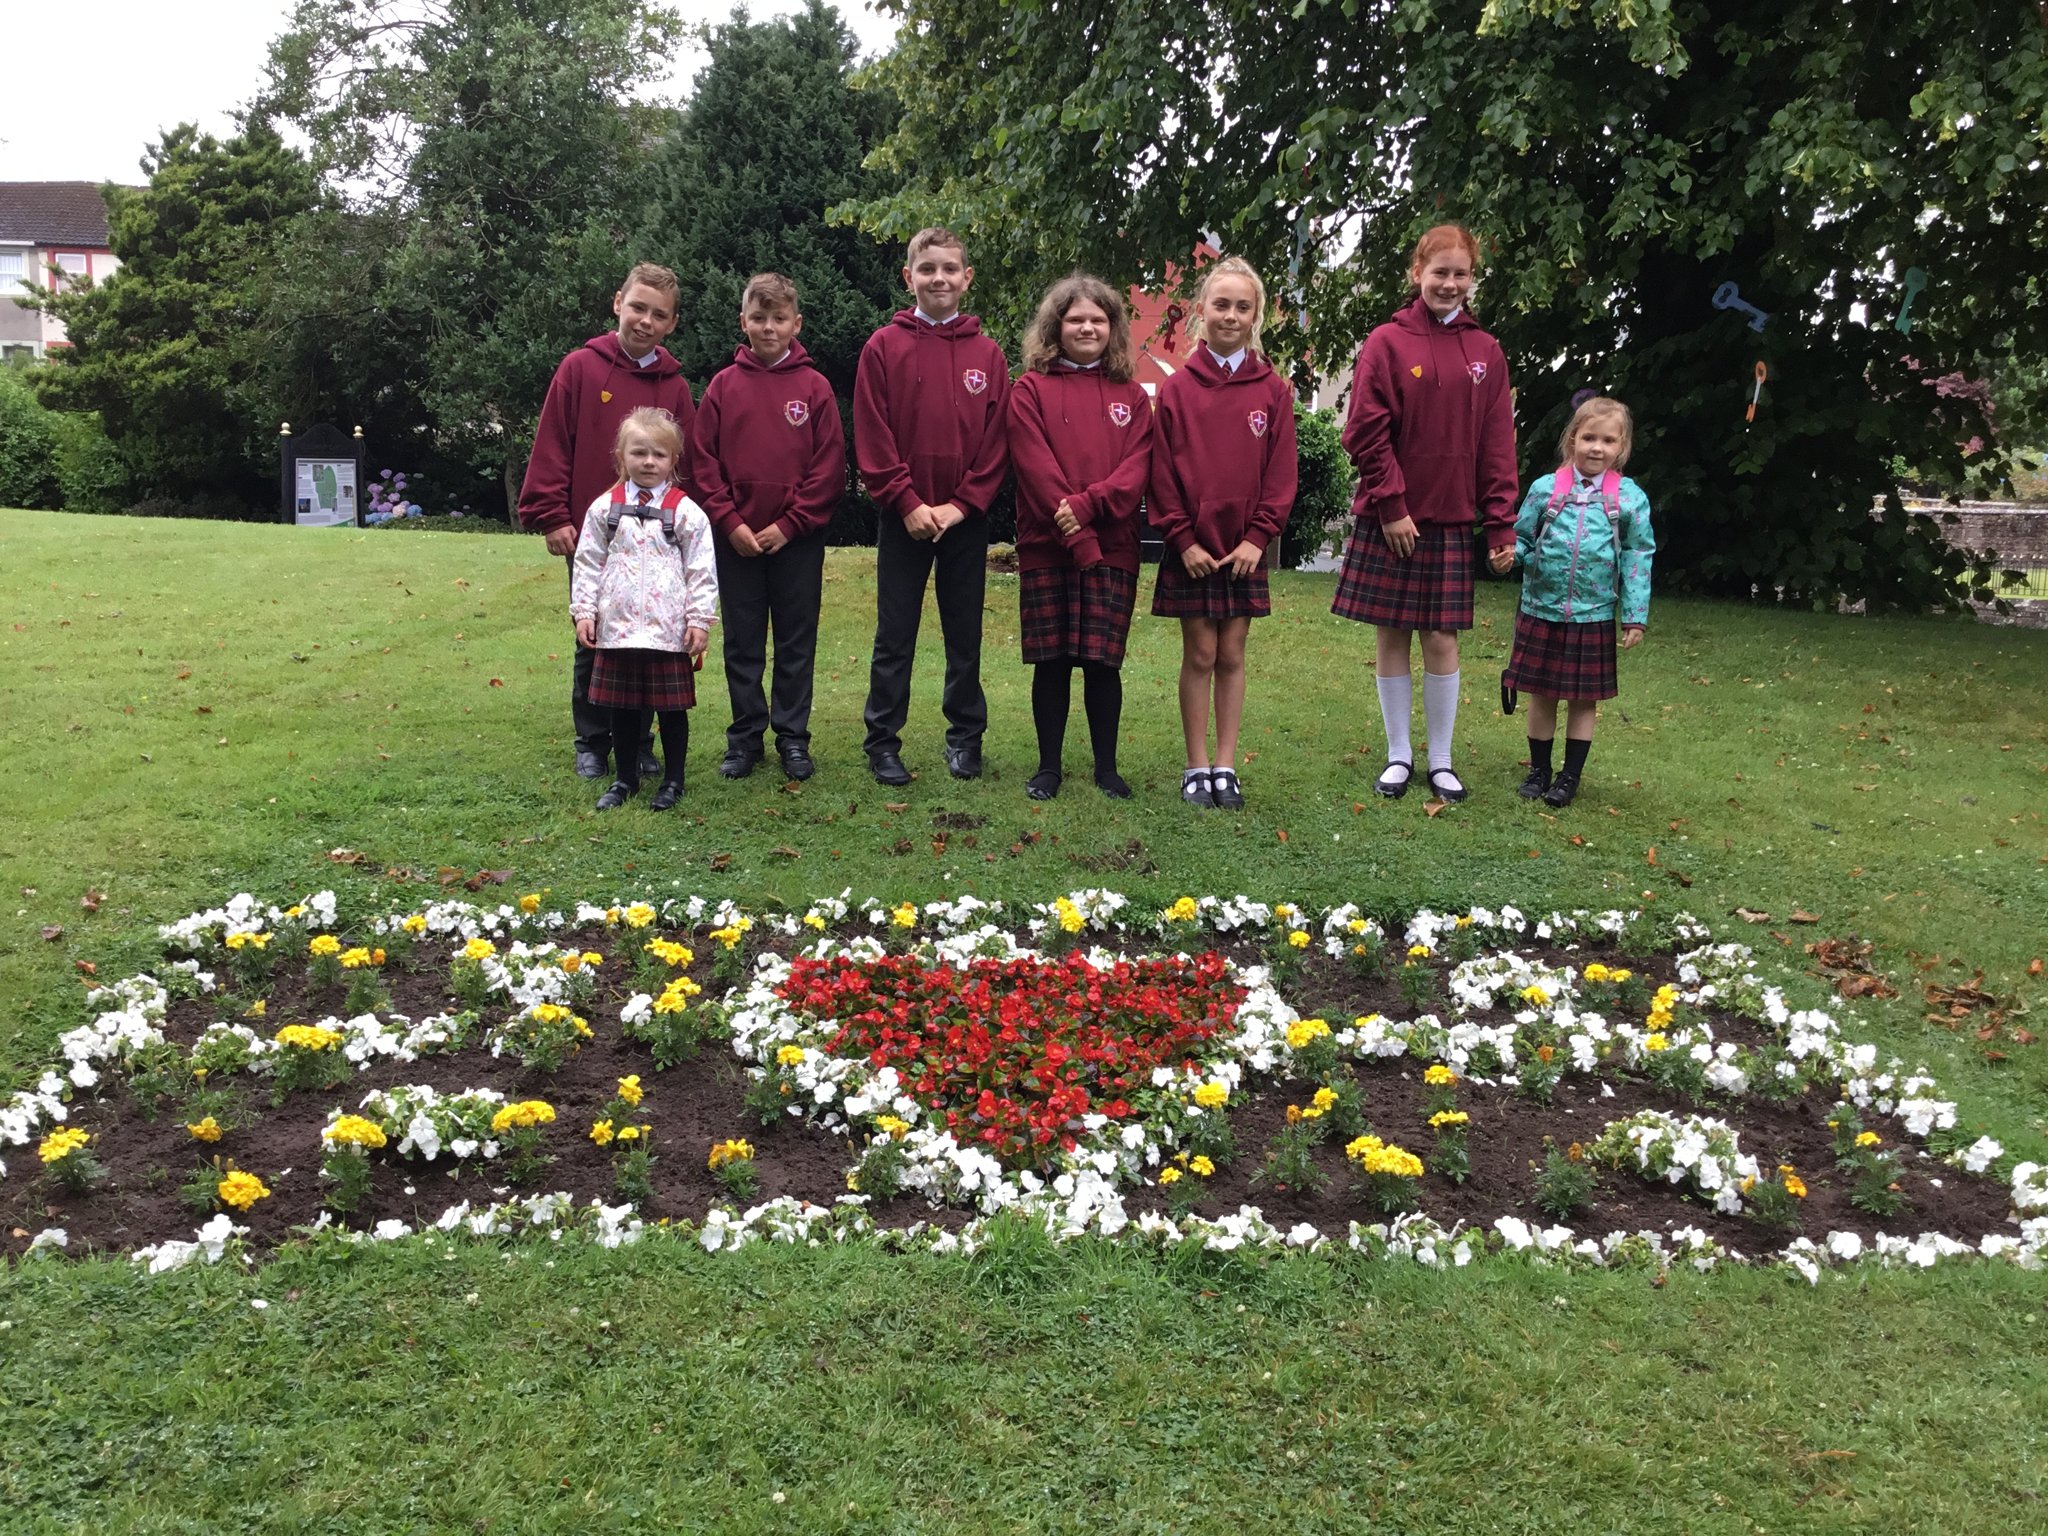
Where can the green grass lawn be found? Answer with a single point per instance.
(194, 709)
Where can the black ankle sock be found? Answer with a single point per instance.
(1052, 684)
(1102, 696)
(629, 729)
(1575, 757)
(1539, 755)
(675, 742)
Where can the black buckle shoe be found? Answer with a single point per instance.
(589, 765)
(1043, 785)
(1457, 790)
(617, 795)
(650, 767)
(888, 769)
(964, 762)
(665, 797)
(1224, 789)
(1194, 790)
(1380, 786)
(1563, 790)
(1534, 786)
(738, 762)
(796, 760)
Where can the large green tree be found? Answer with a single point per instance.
(172, 349)
(774, 136)
(484, 163)
(1621, 159)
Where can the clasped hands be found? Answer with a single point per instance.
(1238, 564)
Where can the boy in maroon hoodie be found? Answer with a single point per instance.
(594, 389)
(768, 460)
(929, 405)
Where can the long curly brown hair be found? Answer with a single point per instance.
(1042, 338)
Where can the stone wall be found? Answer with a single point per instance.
(2016, 535)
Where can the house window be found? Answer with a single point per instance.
(13, 272)
(67, 267)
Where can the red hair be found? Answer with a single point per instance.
(1440, 237)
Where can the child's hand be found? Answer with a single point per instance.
(1502, 560)
(770, 539)
(695, 641)
(562, 541)
(1400, 536)
(1199, 563)
(1631, 634)
(1243, 560)
(586, 632)
(923, 524)
(947, 515)
(1063, 517)
(744, 541)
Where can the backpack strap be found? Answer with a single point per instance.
(615, 511)
(1610, 492)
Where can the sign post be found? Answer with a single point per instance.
(320, 477)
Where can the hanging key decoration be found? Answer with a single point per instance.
(1915, 281)
(1728, 296)
(1758, 393)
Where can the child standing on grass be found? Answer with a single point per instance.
(1081, 442)
(1222, 484)
(1584, 540)
(644, 597)
(1431, 428)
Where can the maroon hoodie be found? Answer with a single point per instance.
(1078, 436)
(1431, 426)
(1223, 469)
(766, 446)
(594, 389)
(928, 415)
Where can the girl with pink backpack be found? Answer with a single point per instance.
(1584, 541)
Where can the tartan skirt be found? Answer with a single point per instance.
(635, 679)
(1067, 614)
(1431, 589)
(1563, 661)
(1177, 595)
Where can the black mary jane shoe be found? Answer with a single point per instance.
(1043, 785)
(1380, 786)
(1225, 790)
(1563, 790)
(1457, 790)
(1536, 785)
(665, 797)
(617, 795)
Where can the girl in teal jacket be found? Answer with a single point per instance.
(1584, 541)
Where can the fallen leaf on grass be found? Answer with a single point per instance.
(484, 877)
(448, 874)
(1752, 917)
(1578, 840)
(1433, 807)
(187, 672)
(895, 805)
(721, 862)
(2034, 967)
(783, 850)
(344, 856)
(91, 899)
(53, 932)
(1651, 858)
(1801, 915)
(497, 682)
(1684, 880)
(939, 847)
(85, 968)
(902, 845)
(1281, 833)
(1358, 807)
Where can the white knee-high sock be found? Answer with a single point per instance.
(1397, 702)
(1440, 710)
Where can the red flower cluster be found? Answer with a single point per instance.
(1013, 1052)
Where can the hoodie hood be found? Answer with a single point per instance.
(953, 330)
(745, 357)
(607, 347)
(1415, 316)
(1207, 372)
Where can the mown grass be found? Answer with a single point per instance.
(194, 709)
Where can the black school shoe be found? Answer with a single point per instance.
(589, 765)
(617, 795)
(964, 762)
(1454, 793)
(1195, 790)
(1536, 785)
(1043, 785)
(650, 766)
(796, 760)
(1563, 789)
(665, 797)
(1380, 786)
(888, 769)
(1225, 790)
(738, 762)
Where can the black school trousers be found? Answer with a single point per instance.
(903, 568)
(760, 595)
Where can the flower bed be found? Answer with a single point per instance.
(1221, 1071)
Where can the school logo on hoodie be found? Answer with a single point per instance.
(1478, 372)
(1119, 413)
(975, 380)
(796, 412)
(1257, 419)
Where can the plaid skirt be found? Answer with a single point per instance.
(1177, 595)
(1431, 589)
(1065, 614)
(1563, 661)
(631, 679)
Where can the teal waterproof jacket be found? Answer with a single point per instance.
(1588, 556)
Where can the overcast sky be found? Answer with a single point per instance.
(151, 65)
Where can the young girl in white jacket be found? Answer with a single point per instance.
(645, 595)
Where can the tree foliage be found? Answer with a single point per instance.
(1620, 159)
(773, 136)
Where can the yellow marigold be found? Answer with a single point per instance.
(630, 1132)
(1620, 974)
(601, 1133)
(1297, 938)
(358, 959)
(207, 1129)
(1444, 1117)
(1867, 1138)
(1535, 996)
(295, 910)
(355, 1131)
(904, 916)
(242, 1190)
(1169, 1175)
(1575, 1153)
(413, 923)
(548, 1013)
(258, 1009)
(789, 1056)
(1325, 1100)
(1069, 915)
(1182, 911)
(1656, 1041)
(323, 945)
(1284, 911)
(1418, 951)
(308, 1037)
(1212, 1095)
(1356, 925)
(639, 915)
(891, 1125)
(1294, 1114)
(630, 1091)
(1795, 1186)
(61, 1143)
(248, 941)
(735, 1150)
(1597, 972)
(1358, 1146)
(814, 922)
(669, 952)
(1461, 922)
(479, 949)
(726, 937)
(530, 902)
(1439, 1076)
(1302, 1031)
(1545, 1053)
(525, 1115)
(1201, 1167)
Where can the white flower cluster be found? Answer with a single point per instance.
(423, 1123)
(1681, 1149)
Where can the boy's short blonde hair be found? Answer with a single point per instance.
(1598, 406)
(1231, 266)
(659, 278)
(934, 235)
(769, 290)
(1042, 341)
(650, 421)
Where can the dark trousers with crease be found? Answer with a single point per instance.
(593, 721)
(760, 595)
(903, 567)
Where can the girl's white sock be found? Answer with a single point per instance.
(1440, 710)
(1397, 702)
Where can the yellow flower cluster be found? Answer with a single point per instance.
(630, 1091)
(208, 1129)
(1444, 1117)
(1462, 922)
(1616, 974)
(669, 952)
(892, 1125)
(360, 959)
(1169, 1175)
(1297, 938)
(1356, 925)
(414, 923)
(355, 1131)
(589, 960)
(675, 997)
(604, 1133)
(308, 1037)
(248, 941)
(639, 915)
(737, 1150)
(1212, 1095)
(242, 1190)
(324, 945)
(1069, 915)
(904, 916)
(1661, 1006)
(789, 1056)
(1182, 911)
(1173, 1172)
(814, 922)
(1535, 996)
(1375, 1156)
(1304, 1031)
(1867, 1138)
(1418, 951)
(1439, 1076)
(523, 1116)
(61, 1143)
(479, 949)
(530, 903)
(731, 934)
(1656, 1040)
(1324, 1101)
